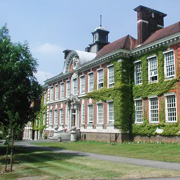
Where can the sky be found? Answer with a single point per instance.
(51, 26)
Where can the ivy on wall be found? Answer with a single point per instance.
(121, 93)
(159, 88)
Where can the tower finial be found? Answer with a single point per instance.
(100, 20)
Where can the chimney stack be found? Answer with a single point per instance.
(148, 21)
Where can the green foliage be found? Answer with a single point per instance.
(120, 94)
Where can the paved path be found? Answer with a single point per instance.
(116, 159)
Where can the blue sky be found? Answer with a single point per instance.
(51, 26)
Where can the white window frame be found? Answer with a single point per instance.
(62, 90)
(110, 84)
(101, 82)
(67, 115)
(165, 68)
(61, 116)
(55, 117)
(89, 87)
(45, 97)
(135, 77)
(51, 93)
(135, 100)
(82, 113)
(75, 93)
(166, 108)
(56, 91)
(68, 90)
(150, 101)
(150, 76)
(112, 120)
(90, 122)
(82, 86)
(100, 121)
(50, 118)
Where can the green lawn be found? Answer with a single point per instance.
(38, 164)
(153, 151)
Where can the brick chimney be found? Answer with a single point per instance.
(148, 21)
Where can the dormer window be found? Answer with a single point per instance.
(100, 78)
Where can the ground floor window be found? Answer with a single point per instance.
(100, 113)
(67, 115)
(110, 113)
(50, 118)
(82, 114)
(138, 111)
(61, 116)
(90, 114)
(154, 110)
(55, 118)
(171, 115)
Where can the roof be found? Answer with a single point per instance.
(127, 42)
(162, 33)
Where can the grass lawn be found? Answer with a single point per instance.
(153, 151)
(37, 164)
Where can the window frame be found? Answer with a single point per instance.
(50, 118)
(112, 83)
(55, 117)
(98, 104)
(82, 113)
(62, 94)
(82, 76)
(68, 82)
(135, 76)
(56, 92)
(150, 101)
(166, 108)
(90, 122)
(135, 100)
(51, 93)
(165, 69)
(61, 115)
(149, 76)
(89, 74)
(110, 121)
(76, 86)
(98, 70)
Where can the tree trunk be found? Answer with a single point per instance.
(12, 149)
(6, 159)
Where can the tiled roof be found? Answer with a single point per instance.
(162, 33)
(127, 42)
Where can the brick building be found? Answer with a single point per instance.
(112, 91)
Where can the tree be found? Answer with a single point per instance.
(18, 86)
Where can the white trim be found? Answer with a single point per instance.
(109, 85)
(164, 52)
(140, 98)
(149, 77)
(153, 97)
(169, 94)
(88, 112)
(98, 78)
(160, 26)
(68, 81)
(108, 112)
(81, 83)
(110, 65)
(139, 21)
(137, 61)
(151, 57)
(98, 113)
(150, 97)
(91, 72)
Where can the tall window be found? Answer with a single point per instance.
(55, 118)
(154, 110)
(138, 111)
(91, 82)
(152, 69)
(82, 81)
(44, 118)
(100, 113)
(171, 108)
(51, 94)
(110, 76)
(62, 90)
(138, 72)
(57, 92)
(110, 113)
(169, 64)
(75, 86)
(68, 89)
(61, 116)
(82, 113)
(100, 78)
(67, 114)
(50, 118)
(90, 114)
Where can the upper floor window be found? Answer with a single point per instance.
(51, 93)
(110, 113)
(68, 89)
(57, 92)
(152, 69)
(100, 113)
(110, 76)
(171, 115)
(75, 86)
(138, 111)
(153, 110)
(90, 114)
(169, 64)
(82, 86)
(62, 90)
(100, 78)
(45, 97)
(138, 72)
(90, 82)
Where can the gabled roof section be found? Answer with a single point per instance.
(162, 33)
(127, 42)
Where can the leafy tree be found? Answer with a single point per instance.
(18, 87)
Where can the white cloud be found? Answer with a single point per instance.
(42, 76)
(48, 48)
